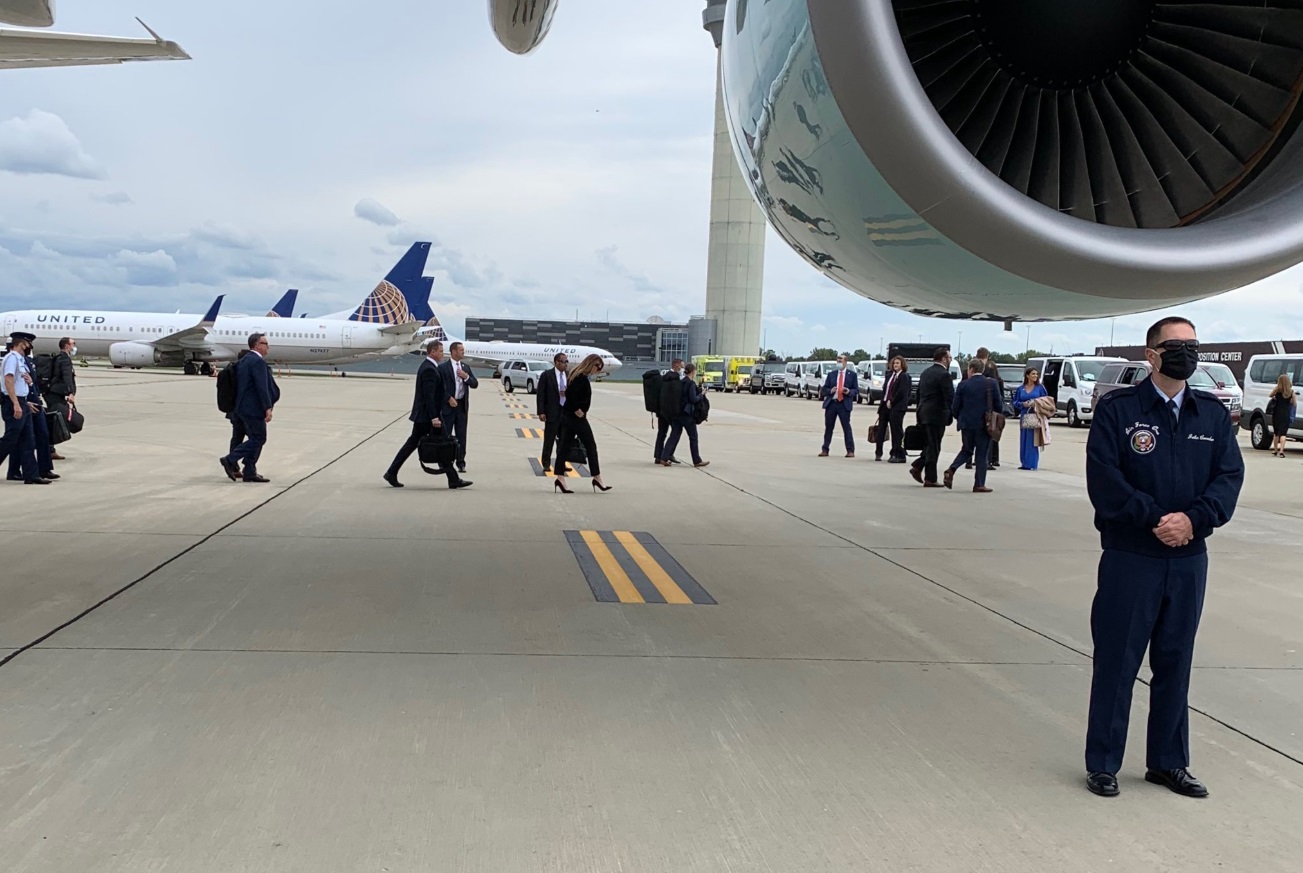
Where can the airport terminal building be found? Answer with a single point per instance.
(653, 341)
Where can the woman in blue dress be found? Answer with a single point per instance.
(1028, 391)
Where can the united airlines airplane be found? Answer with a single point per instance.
(22, 49)
(381, 325)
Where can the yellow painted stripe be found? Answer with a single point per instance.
(620, 582)
(668, 588)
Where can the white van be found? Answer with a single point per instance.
(873, 375)
(792, 377)
(1259, 381)
(812, 375)
(1071, 382)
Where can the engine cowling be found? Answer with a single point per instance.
(520, 25)
(133, 354)
(1023, 160)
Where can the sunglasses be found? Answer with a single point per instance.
(1176, 345)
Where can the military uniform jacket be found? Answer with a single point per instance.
(1141, 466)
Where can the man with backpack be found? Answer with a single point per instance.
(61, 391)
(693, 408)
(668, 404)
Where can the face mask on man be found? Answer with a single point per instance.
(72, 351)
(1179, 363)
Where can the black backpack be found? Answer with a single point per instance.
(651, 391)
(227, 388)
(701, 411)
(44, 372)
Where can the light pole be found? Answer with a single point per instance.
(1028, 350)
(959, 352)
(1112, 322)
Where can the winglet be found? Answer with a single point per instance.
(210, 317)
(180, 53)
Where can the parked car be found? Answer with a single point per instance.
(812, 376)
(792, 377)
(522, 374)
(768, 377)
(1071, 382)
(873, 375)
(1115, 376)
(1011, 375)
(1259, 381)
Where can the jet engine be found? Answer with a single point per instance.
(142, 355)
(1024, 159)
(520, 25)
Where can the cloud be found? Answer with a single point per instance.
(641, 283)
(375, 212)
(41, 143)
(114, 198)
(155, 268)
(790, 322)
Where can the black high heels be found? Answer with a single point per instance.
(598, 486)
(558, 485)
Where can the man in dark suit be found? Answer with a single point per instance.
(896, 391)
(458, 380)
(671, 406)
(63, 386)
(975, 396)
(936, 395)
(550, 399)
(839, 391)
(256, 394)
(426, 417)
(991, 371)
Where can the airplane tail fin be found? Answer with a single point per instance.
(403, 296)
(284, 308)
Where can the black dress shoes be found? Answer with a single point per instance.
(1103, 784)
(392, 479)
(1179, 781)
(461, 483)
(36, 481)
(256, 479)
(232, 470)
(50, 475)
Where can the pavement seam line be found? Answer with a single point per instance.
(992, 610)
(181, 554)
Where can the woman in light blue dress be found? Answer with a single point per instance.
(1028, 391)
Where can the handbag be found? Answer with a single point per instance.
(438, 449)
(994, 420)
(873, 434)
(76, 421)
(1030, 421)
(915, 438)
(58, 426)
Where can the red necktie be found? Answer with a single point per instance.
(841, 381)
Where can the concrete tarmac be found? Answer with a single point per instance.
(327, 674)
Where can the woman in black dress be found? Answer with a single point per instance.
(1282, 414)
(574, 421)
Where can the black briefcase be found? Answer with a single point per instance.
(915, 438)
(437, 452)
(58, 426)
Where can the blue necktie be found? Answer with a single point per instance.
(1171, 410)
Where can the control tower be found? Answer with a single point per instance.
(736, 260)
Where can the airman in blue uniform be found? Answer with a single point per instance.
(1163, 470)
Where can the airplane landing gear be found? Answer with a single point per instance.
(190, 368)
(206, 369)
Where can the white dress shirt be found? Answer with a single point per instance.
(561, 385)
(461, 386)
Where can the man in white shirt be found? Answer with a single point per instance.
(458, 380)
(550, 400)
(19, 414)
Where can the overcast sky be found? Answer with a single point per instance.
(307, 146)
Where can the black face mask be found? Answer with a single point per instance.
(1179, 364)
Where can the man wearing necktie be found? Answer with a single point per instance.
(551, 400)
(1163, 470)
(458, 380)
(838, 393)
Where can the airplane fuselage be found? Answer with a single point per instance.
(500, 353)
(124, 337)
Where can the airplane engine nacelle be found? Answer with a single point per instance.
(1022, 159)
(520, 25)
(137, 355)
